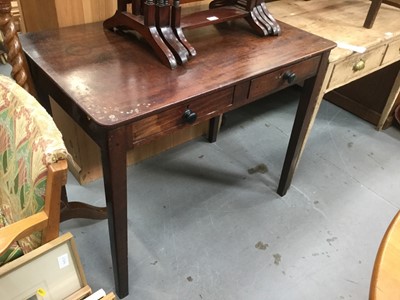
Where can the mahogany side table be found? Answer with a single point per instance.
(112, 86)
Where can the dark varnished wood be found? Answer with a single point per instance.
(147, 28)
(114, 89)
(301, 123)
(205, 107)
(263, 85)
(213, 128)
(114, 145)
(140, 86)
(163, 23)
(221, 14)
(75, 209)
(164, 16)
(176, 27)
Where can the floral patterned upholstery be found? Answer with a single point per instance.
(29, 142)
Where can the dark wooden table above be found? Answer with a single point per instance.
(114, 87)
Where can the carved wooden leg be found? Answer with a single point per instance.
(176, 27)
(148, 31)
(15, 55)
(163, 19)
(253, 21)
(276, 29)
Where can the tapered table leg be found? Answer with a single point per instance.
(303, 121)
(113, 158)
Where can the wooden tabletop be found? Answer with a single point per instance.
(115, 79)
(340, 21)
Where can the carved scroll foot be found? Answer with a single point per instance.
(160, 23)
(254, 22)
(176, 27)
(276, 29)
(148, 32)
(261, 20)
(180, 52)
(179, 33)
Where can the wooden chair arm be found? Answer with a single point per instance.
(20, 229)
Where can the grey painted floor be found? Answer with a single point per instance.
(202, 227)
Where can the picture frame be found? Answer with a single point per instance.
(52, 271)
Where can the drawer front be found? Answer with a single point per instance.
(205, 107)
(392, 53)
(273, 81)
(356, 66)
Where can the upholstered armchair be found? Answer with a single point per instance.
(21, 74)
(33, 169)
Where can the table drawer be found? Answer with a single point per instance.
(267, 83)
(205, 107)
(356, 66)
(392, 53)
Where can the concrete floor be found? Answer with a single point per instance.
(205, 221)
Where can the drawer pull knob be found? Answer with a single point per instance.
(189, 116)
(289, 76)
(359, 65)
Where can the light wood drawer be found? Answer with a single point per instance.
(392, 53)
(356, 66)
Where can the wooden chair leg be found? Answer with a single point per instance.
(372, 13)
(395, 3)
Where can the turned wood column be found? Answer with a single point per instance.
(13, 46)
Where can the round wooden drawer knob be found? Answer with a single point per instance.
(289, 76)
(189, 116)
